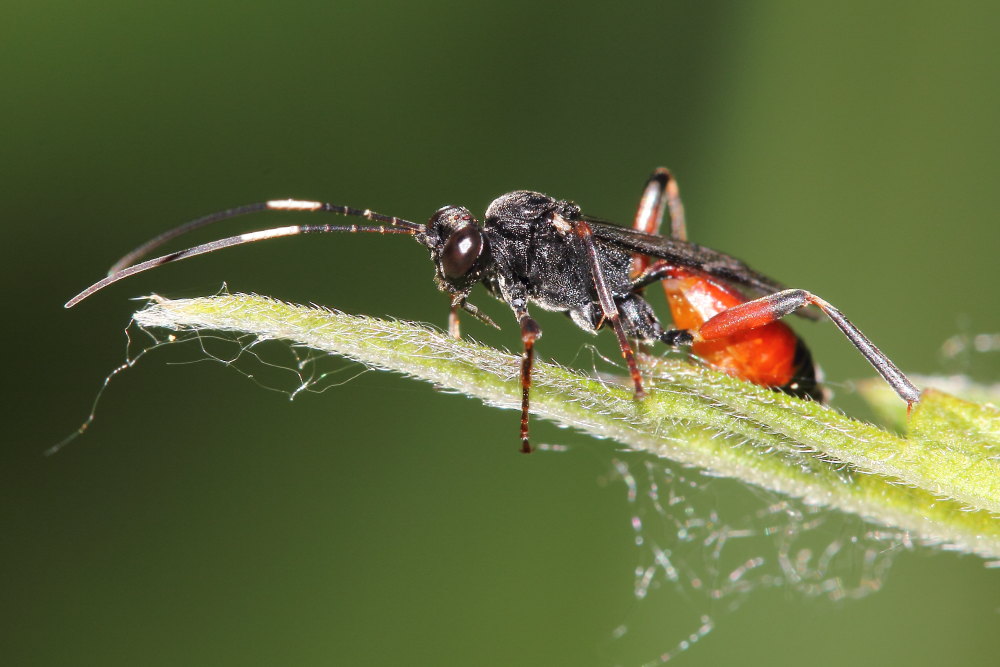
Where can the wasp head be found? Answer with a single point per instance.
(458, 248)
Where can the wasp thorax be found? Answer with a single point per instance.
(524, 206)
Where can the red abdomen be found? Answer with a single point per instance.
(770, 355)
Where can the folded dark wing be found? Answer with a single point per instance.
(690, 255)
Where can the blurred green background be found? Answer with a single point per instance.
(850, 149)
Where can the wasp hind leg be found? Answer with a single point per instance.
(773, 307)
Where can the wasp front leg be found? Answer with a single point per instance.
(459, 302)
(454, 326)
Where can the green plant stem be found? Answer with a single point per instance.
(941, 483)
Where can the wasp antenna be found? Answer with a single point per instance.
(296, 205)
(249, 237)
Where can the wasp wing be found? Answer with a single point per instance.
(689, 255)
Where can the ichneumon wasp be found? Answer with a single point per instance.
(535, 249)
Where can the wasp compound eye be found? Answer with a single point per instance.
(461, 251)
